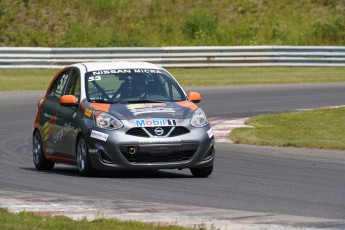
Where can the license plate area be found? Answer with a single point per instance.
(160, 148)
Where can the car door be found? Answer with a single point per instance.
(65, 138)
(59, 126)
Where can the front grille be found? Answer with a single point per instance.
(159, 153)
(151, 130)
(139, 132)
(179, 130)
(144, 157)
(173, 131)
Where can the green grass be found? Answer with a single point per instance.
(257, 75)
(39, 79)
(321, 129)
(122, 23)
(28, 220)
(25, 79)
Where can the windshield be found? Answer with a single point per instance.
(131, 85)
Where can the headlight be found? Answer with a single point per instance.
(107, 121)
(199, 118)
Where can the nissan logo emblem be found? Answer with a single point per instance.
(159, 131)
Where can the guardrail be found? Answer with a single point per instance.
(198, 56)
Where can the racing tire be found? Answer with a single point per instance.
(40, 160)
(83, 159)
(202, 172)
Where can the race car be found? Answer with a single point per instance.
(120, 116)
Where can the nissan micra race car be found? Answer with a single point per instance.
(121, 115)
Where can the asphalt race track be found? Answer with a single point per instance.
(284, 181)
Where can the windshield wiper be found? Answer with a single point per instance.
(99, 101)
(144, 101)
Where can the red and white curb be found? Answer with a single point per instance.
(223, 126)
(77, 207)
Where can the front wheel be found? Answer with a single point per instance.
(83, 160)
(202, 172)
(40, 160)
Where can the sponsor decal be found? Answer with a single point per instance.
(154, 122)
(114, 71)
(159, 141)
(146, 71)
(87, 112)
(93, 151)
(152, 110)
(144, 105)
(149, 108)
(98, 135)
(95, 78)
(61, 135)
(60, 87)
(210, 133)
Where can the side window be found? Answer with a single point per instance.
(56, 90)
(73, 85)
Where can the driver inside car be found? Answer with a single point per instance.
(138, 88)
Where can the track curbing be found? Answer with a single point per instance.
(78, 207)
(223, 126)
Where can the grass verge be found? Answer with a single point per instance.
(322, 129)
(157, 23)
(28, 220)
(39, 79)
(25, 79)
(257, 75)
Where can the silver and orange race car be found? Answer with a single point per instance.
(121, 115)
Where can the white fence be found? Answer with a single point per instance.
(197, 56)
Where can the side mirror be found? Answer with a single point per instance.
(68, 100)
(194, 97)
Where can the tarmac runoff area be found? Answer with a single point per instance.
(77, 207)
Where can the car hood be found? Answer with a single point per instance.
(177, 110)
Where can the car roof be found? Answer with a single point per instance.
(94, 66)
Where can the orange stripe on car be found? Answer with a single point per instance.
(188, 104)
(61, 159)
(100, 106)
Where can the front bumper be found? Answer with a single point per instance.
(121, 151)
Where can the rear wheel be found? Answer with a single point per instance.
(202, 172)
(83, 160)
(40, 160)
